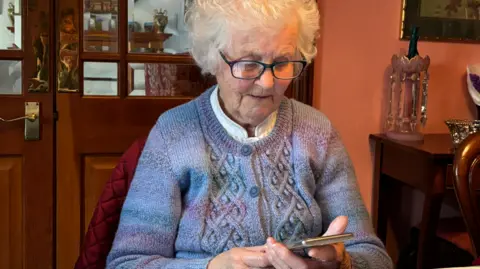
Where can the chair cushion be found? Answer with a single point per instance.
(103, 225)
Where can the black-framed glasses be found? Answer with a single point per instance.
(248, 69)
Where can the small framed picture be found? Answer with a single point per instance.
(442, 20)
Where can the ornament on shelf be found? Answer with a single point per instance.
(407, 100)
(11, 12)
(160, 20)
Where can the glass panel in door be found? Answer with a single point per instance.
(100, 79)
(10, 77)
(100, 25)
(10, 25)
(167, 80)
(157, 26)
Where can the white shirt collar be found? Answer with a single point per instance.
(234, 129)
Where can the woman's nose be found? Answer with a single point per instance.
(266, 80)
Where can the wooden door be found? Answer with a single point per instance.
(128, 74)
(26, 167)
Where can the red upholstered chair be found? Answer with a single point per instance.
(466, 185)
(103, 225)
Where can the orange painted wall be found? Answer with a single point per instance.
(357, 42)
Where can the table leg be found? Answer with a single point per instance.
(384, 192)
(431, 214)
(378, 212)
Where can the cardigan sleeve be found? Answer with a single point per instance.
(337, 194)
(150, 215)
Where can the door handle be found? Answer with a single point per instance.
(31, 119)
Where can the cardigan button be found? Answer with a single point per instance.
(184, 183)
(254, 191)
(246, 150)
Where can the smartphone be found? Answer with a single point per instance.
(319, 241)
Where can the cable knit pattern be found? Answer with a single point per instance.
(198, 192)
(226, 208)
(284, 200)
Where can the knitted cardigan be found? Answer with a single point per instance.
(197, 192)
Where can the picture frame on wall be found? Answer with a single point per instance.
(442, 20)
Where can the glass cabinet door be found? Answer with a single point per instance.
(26, 145)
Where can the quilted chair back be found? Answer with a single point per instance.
(103, 225)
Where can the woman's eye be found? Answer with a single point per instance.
(250, 66)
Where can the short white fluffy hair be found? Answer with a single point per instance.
(212, 24)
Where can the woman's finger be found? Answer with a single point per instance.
(324, 253)
(288, 258)
(273, 257)
(256, 248)
(255, 259)
(275, 261)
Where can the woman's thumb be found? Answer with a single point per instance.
(338, 226)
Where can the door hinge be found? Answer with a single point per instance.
(55, 115)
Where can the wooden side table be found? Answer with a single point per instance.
(426, 166)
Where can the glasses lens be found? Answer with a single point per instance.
(247, 69)
(288, 70)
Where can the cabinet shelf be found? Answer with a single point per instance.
(94, 12)
(100, 36)
(147, 40)
(100, 39)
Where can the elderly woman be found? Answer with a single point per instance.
(230, 178)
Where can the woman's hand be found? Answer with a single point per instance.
(241, 258)
(331, 256)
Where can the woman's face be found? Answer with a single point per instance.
(249, 102)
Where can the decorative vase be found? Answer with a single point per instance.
(160, 20)
(407, 102)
